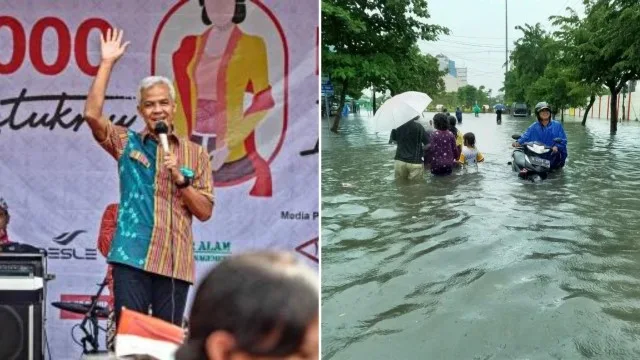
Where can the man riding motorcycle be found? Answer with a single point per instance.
(545, 131)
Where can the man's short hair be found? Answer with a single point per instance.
(151, 81)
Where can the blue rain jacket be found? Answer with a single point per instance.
(545, 135)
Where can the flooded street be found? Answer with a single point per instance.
(481, 265)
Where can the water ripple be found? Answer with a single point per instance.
(482, 265)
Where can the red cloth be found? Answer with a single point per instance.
(105, 235)
(4, 239)
(107, 228)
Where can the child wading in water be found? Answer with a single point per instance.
(470, 155)
(442, 147)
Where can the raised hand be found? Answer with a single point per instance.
(111, 47)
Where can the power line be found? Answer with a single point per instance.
(473, 60)
(476, 37)
(468, 49)
(480, 72)
(480, 45)
(562, 9)
(474, 51)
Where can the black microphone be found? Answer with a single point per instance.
(162, 130)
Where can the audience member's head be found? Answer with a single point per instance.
(4, 215)
(452, 121)
(440, 121)
(255, 306)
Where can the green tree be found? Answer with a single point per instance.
(569, 29)
(559, 87)
(603, 47)
(482, 96)
(362, 41)
(467, 95)
(529, 58)
(447, 99)
(416, 72)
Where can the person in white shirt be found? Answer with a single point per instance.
(469, 154)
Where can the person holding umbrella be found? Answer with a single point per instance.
(411, 138)
(499, 109)
(400, 114)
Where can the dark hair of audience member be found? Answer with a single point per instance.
(440, 122)
(452, 125)
(261, 299)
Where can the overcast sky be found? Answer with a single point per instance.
(477, 39)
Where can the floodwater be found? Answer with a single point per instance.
(481, 265)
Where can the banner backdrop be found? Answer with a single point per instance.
(57, 181)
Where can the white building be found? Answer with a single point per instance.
(446, 64)
(443, 62)
(450, 83)
(462, 76)
(455, 77)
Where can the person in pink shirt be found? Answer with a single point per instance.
(4, 221)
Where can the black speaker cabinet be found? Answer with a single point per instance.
(22, 299)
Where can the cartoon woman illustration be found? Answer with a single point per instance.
(213, 71)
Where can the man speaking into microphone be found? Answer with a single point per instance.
(165, 180)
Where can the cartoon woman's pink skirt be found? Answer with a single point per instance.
(210, 127)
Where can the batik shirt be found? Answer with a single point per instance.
(153, 221)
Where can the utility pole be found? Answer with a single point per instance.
(506, 36)
(506, 47)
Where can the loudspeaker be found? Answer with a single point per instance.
(22, 299)
(21, 332)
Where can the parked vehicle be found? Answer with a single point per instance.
(519, 110)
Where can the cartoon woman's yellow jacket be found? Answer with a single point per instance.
(243, 68)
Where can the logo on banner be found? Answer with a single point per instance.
(65, 252)
(103, 301)
(66, 238)
(229, 62)
(208, 251)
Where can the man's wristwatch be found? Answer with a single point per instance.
(188, 178)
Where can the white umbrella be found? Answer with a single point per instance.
(400, 109)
